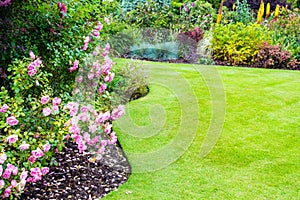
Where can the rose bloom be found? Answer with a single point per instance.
(6, 174)
(11, 139)
(46, 147)
(45, 170)
(13, 183)
(45, 99)
(3, 158)
(31, 54)
(31, 159)
(4, 108)
(24, 147)
(12, 121)
(46, 111)
(32, 72)
(37, 153)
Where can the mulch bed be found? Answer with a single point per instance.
(77, 178)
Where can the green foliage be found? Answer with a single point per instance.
(286, 31)
(129, 5)
(194, 14)
(130, 83)
(33, 127)
(242, 13)
(57, 37)
(150, 14)
(238, 44)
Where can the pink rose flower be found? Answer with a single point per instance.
(4, 108)
(102, 117)
(118, 112)
(24, 147)
(3, 158)
(32, 72)
(31, 66)
(45, 99)
(31, 54)
(63, 8)
(45, 170)
(102, 88)
(37, 62)
(24, 175)
(46, 111)
(85, 46)
(96, 33)
(6, 174)
(99, 26)
(13, 183)
(12, 121)
(15, 171)
(11, 139)
(32, 159)
(37, 153)
(46, 147)
(109, 77)
(56, 101)
(7, 192)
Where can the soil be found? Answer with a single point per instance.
(77, 177)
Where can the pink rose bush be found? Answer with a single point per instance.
(36, 121)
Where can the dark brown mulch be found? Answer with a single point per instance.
(77, 178)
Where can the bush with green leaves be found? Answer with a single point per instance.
(31, 124)
(286, 31)
(242, 13)
(237, 43)
(58, 32)
(129, 5)
(194, 14)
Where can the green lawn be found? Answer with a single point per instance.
(256, 156)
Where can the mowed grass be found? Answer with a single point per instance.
(257, 155)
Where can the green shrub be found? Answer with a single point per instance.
(238, 44)
(56, 35)
(194, 14)
(241, 13)
(286, 31)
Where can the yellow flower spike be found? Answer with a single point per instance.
(276, 11)
(233, 6)
(268, 10)
(220, 13)
(219, 18)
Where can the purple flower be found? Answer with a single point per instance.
(193, 4)
(102, 88)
